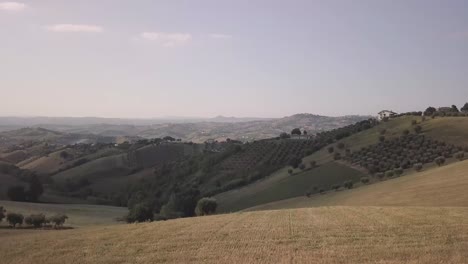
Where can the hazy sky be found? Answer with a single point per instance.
(148, 58)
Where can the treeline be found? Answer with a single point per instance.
(33, 220)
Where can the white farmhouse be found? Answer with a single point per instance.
(386, 113)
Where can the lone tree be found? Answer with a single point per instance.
(455, 109)
(206, 206)
(35, 189)
(429, 111)
(15, 219)
(2, 213)
(296, 131)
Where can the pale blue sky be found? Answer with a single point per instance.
(116, 58)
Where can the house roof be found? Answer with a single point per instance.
(383, 111)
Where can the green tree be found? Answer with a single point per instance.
(429, 111)
(57, 220)
(141, 212)
(296, 131)
(15, 219)
(455, 109)
(36, 220)
(206, 206)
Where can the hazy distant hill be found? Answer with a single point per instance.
(191, 129)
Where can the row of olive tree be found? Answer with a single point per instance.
(35, 220)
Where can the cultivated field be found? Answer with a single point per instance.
(444, 186)
(317, 235)
(282, 186)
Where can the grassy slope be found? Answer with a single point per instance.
(317, 235)
(444, 186)
(291, 186)
(79, 214)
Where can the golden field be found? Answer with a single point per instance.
(311, 235)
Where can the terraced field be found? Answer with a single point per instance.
(318, 235)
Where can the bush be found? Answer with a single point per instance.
(418, 166)
(365, 180)
(348, 184)
(398, 171)
(57, 220)
(141, 212)
(439, 161)
(15, 219)
(460, 155)
(389, 173)
(330, 150)
(36, 220)
(294, 162)
(290, 171)
(380, 175)
(206, 206)
(302, 166)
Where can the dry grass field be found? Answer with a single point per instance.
(312, 235)
(444, 186)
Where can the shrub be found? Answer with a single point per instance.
(389, 173)
(418, 166)
(290, 171)
(440, 161)
(57, 220)
(330, 150)
(15, 219)
(348, 184)
(460, 155)
(398, 171)
(380, 175)
(141, 212)
(302, 166)
(36, 220)
(365, 180)
(206, 206)
(294, 162)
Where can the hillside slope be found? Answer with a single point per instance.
(318, 235)
(444, 186)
